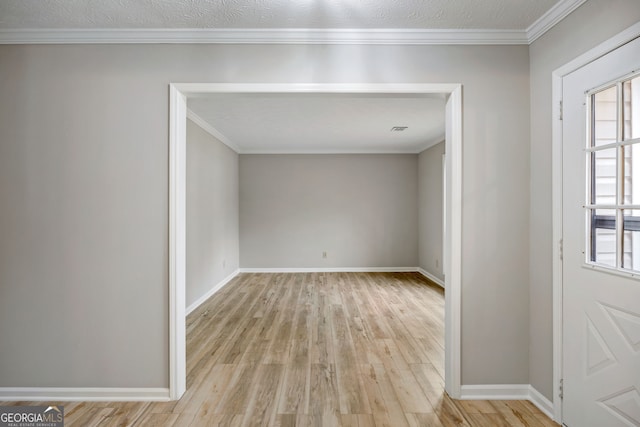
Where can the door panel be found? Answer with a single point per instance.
(601, 309)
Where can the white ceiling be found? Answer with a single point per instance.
(322, 123)
(272, 14)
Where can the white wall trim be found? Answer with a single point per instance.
(431, 277)
(332, 270)
(551, 18)
(376, 36)
(211, 130)
(495, 392)
(508, 392)
(452, 251)
(197, 303)
(265, 36)
(556, 154)
(194, 89)
(83, 394)
(177, 241)
(541, 402)
(177, 143)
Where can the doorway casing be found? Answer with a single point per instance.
(179, 92)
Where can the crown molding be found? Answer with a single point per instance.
(264, 36)
(377, 36)
(211, 130)
(554, 15)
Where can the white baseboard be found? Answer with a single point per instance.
(541, 402)
(332, 270)
(212, 291)
(495, 392)
(508, 392)
(83, 394)
(431, 277)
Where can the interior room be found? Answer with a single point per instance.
(313, 181)
(320, 212)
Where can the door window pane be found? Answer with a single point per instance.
(631, 240)
(603, 236)
(631, 108)
(605, 117)
(603, 180)
(631, 174)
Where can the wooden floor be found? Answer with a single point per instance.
(315, 349)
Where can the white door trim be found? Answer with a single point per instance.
(177, 242)
(557, 76)
(177, 226)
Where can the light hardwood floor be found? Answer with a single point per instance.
(315, 349)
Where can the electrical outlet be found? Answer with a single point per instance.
(437, 263)
(224, 263)
(324, 254)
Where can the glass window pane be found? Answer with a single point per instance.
(631, 240)
(603, 236)
(605, 115)
(631, 107)
(632, 174)
(603, 176)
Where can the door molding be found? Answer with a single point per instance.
(177, 219)
(556, 177)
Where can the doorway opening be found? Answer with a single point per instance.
(179, 93)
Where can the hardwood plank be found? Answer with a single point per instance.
(322, 351)
(516, 413)
(384, 403)
(353, 398)
(286, 420)
(477, 406)
(85, 418)
(235, 400)
(324, 388)
(546, 421)
(159, 419)
(487, 420)
(263, 402)
(294, 397)
(409, 393)
(221, 377)
(227, 420)
(357, 420)
(71, 413)
(103, 416)
(423, 420)
(125, 414)
(448, 412)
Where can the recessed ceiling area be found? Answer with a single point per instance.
(322, 123)
(264, 14)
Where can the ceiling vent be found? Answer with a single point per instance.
(399, 128)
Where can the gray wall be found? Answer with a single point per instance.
(212, 212)
(84, 189)
(430, 205)
(592, 23)
(361, 209)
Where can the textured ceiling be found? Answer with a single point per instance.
(317, 123)
(267, 14)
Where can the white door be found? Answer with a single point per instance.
(601, 241)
